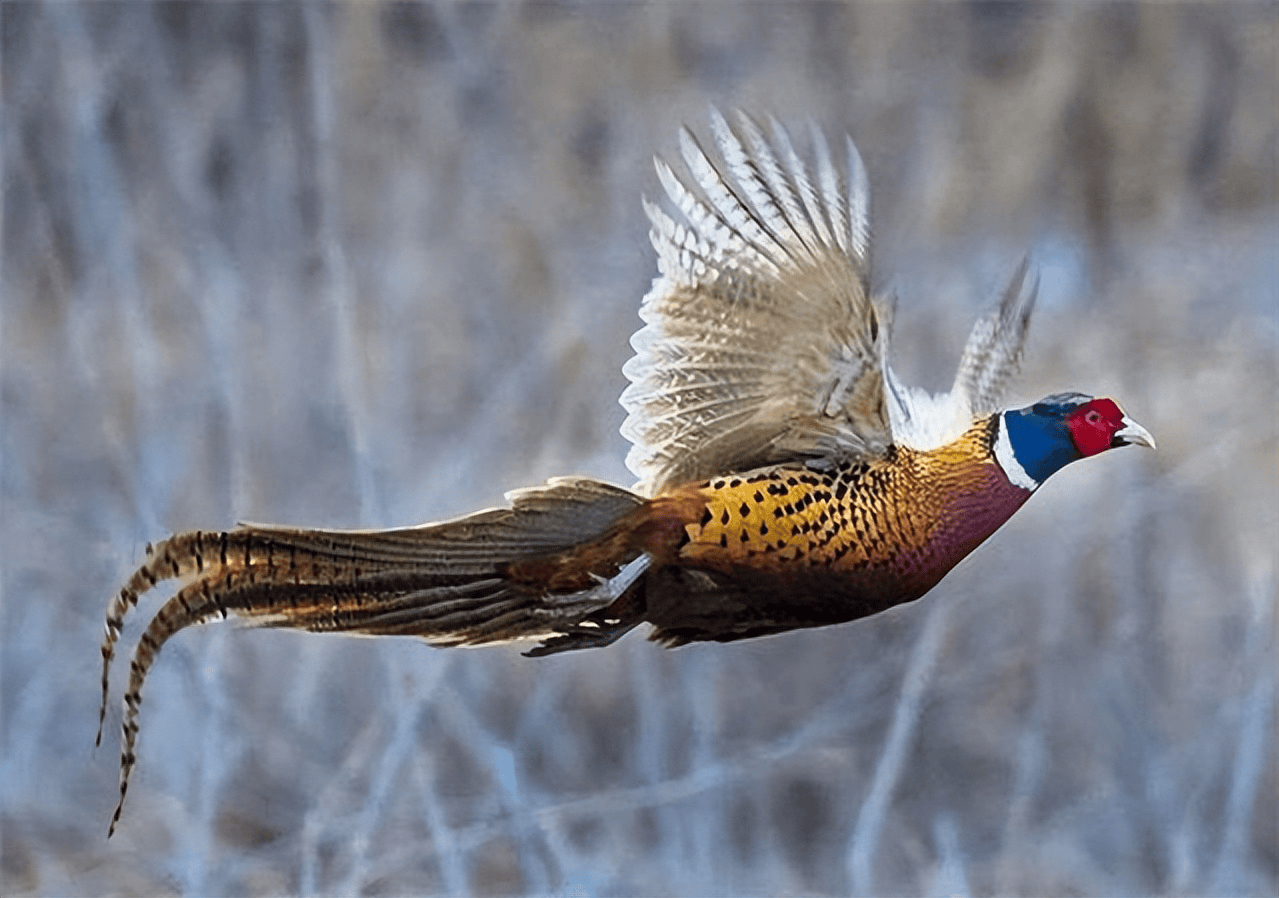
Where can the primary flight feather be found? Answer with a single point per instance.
(787, 477)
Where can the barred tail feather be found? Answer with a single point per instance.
(451, 583)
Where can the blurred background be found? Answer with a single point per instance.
(370, 265)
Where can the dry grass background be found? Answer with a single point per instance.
(369, 265)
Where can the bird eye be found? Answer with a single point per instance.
(1093, 417)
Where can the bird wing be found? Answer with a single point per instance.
(761, 340)
(992, 355)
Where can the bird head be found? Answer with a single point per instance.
(1039, 440)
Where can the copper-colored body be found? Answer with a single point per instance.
(789, 546)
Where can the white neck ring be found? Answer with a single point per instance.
(1007, 460)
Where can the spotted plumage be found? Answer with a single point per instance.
(787, 477)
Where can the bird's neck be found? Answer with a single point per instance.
(1031, 447)
(1006, 456)
(973, 494)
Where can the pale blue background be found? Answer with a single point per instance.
(372, 265)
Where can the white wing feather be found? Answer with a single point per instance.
(761, 342)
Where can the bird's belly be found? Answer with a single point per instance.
(690, 604)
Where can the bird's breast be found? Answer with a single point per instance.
(967, 508)
(897, 525)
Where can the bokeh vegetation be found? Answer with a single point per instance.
(369, 265)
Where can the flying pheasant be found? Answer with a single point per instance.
(787, 478)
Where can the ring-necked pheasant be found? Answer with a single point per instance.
(787, 477)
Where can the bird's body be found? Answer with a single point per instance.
(788, 546)
(787, 478)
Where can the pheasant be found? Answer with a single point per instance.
(787, 477)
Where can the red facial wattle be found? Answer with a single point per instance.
(1094, 424)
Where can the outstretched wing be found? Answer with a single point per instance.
(992, 355)
(761, 342)
(993, 352)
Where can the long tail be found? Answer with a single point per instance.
(538, 569)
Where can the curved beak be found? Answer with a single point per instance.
(1132, 434)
